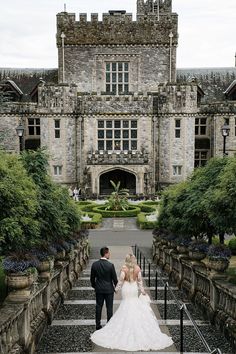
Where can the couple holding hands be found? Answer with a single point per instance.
(134, 325)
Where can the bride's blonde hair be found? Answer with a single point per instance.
(130, 263)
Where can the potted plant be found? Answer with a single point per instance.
(45, 253)
(21, 272)
(182, 244)
(198, 249)
(218, 257)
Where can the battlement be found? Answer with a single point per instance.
(117, 27)
(153, 7)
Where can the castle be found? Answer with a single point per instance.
(118, 111)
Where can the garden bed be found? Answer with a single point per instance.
(94, 223)
(143, 223)
(132, 211)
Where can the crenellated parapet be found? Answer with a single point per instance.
(117, 28)
(57, 98)
(103, 104)
(171, 98)
(153, 7)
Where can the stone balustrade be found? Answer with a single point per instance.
(117, 157)
(22, 324)
(209, 290)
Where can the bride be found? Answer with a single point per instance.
(134, 325)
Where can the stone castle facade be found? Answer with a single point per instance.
(118, 112)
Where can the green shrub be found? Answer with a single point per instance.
(84, 202)
(232, 245)
(87, 208)
(132, 211)
(145, 208)
(143, 223)
(91, 224)
(150, 202)
(231, 273)
(3, 288)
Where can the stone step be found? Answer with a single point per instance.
(82, 288)
(93, 302)
(120, 352)
(91, 322)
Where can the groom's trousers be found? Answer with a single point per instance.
(100, 297)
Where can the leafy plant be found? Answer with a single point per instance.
(199, 246)
(183, 241)
(118, 199)
(20, 263)
(232, 245)
(219, 252)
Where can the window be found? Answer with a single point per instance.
(177, 128)
(200, 158)
(57, 125)
(117, 78)
(57, 170)
(117, 134)
(33, 126)
(177, 170)
(200, 126)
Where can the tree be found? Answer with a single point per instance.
(57, 213)
(19, 228)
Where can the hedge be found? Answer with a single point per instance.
(143, 223)
(147, 208)
(132, 211)
(87, 208)
(91, 224)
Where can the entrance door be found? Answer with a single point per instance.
(127, 180)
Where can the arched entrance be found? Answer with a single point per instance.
(127, 180)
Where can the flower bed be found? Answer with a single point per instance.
(143, 223)
(132, 211)
(93, 223)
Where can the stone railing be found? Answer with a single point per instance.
(117, 157)
(209, 290)
(22, 324)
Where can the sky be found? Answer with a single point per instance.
(28, 27)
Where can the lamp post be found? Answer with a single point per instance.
(225, 132)
(20, 132)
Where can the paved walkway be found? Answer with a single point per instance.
(75, 319)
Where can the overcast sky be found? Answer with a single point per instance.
(207, 30)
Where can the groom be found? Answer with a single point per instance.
(103, 279)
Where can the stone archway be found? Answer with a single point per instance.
(127, 180)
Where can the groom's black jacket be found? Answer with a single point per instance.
(103, 276)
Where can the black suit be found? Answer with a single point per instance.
(103, 279)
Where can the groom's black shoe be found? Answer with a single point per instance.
(98, 327)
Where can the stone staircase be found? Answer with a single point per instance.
(75, 320)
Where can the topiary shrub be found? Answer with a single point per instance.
(143, 223)
(232, 246)
(132, 211)
(94, 223)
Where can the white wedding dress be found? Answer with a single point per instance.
(134, 325)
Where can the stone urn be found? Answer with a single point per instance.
(182, 249)
(45, 267)
(19, 285)
(196, 255)
(60, 256)
(218, 265)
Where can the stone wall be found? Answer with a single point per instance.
(22, 324)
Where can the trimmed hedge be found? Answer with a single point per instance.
(132, 211)
(232, 245)
(91, 224)
(87, 208)
(145, 208)
(143, 223)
